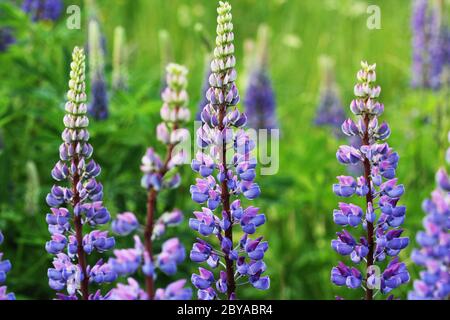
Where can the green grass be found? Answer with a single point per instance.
(298, 201)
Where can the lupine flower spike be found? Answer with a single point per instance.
(434, 242)
(158, 175)
(76, 204)
(382, 215)
(222, 182)
(260, 104)
(120, 56)
(49, 10)
(5, 267)
(330, 111)
(98, 108)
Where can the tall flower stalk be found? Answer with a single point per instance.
(158, 175)
(76, 204)
(434, 242)
(98, 108)
(242, 262)
(381, 239)
(5, 267)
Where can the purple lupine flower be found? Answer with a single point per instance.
(125, 223)
(5, 267)
(168, 219)
(434, 242)
(6, 39)
(431, 45)
(132, 291)
(382, 216)
(98, 108)
(83, 194)
(174, 291)
(43, 9)
(222, 182)
(330, 111)
(158, 175)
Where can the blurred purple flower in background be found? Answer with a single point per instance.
(378, 186)
(439, 49)
(259, 101)
(98, 108)
(434, 242)
(260, 105)
(418, 23)
(43, 9)
(221, 135)
(330, 111)
(431, 45)
(5, 267)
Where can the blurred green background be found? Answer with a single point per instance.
(298, 201)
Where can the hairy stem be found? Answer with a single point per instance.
(369, 199)
(225, 196)
(151, 209)
(84, 286)
(151, 205)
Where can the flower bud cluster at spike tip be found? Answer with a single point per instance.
(382, 216)
(158, 175)
(43, 9)
(434, 242)
(5, 267)
(174, 112)
(77, 198)
(431, 44)
(221, 183)
(98, 108)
